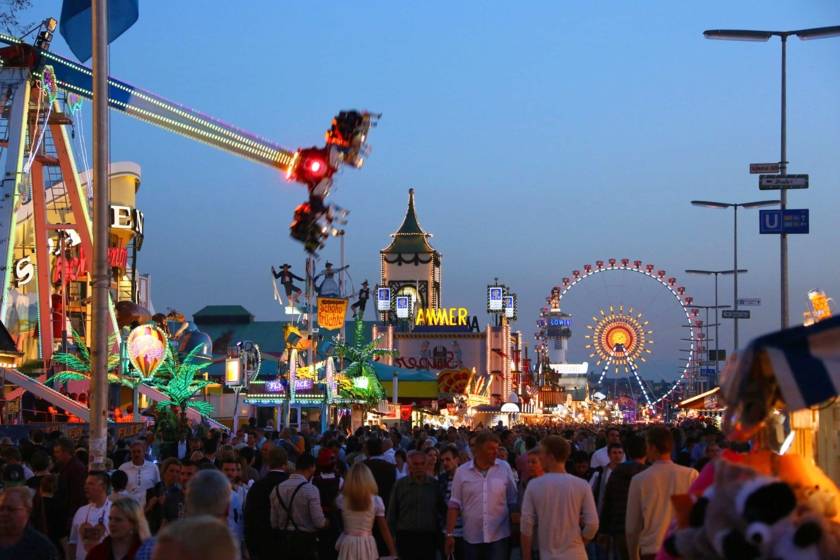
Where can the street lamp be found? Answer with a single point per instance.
(763, 36)
(716, 273)
(734, 206)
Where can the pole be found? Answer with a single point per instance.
(236, 391)
(783, 249)
(101, 273)
(735, 276)
(717, 326)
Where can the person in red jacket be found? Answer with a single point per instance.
(128, 529)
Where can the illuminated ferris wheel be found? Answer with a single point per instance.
(609, 314)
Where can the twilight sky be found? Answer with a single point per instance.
(539, 136)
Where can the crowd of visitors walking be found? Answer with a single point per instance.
(548, 492)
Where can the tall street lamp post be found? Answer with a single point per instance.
(717, 307)
(735, 206)
(763, 36)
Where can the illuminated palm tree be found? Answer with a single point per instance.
(359, 358)
(180, 380)
(78, 366)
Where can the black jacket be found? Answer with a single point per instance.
(258, 534)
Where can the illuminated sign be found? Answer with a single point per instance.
(510, 306)
(331, 313)
(24, 271)
(559, 322)
(118, 257)
(279, 385)
(274, 386)
(571, 369)
(383, 299)
(495, 297)
(445, 317)
(403, 307)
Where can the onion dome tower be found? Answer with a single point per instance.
(410, 265)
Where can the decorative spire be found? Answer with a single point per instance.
(410, 237)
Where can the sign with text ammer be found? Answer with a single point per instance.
(331, 313)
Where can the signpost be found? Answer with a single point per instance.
(781, 182)
(749, 302)
(735, 314)
(791, 221)
(764, 168)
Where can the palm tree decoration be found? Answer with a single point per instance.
(359, 358)
(179, 380)
(79, 367)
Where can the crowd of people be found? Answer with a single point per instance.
(410, 493)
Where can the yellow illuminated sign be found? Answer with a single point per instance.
(445, 317)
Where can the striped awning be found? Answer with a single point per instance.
(803, 361)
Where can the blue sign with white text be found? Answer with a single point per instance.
(783, 221)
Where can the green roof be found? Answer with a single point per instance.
(217, 312)
(410, 238)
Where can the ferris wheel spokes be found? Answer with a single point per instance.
(605, 370)
(632, 365)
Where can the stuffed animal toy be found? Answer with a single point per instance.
(745, 515)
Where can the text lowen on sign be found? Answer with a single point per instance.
(735, 314)
(779, 182)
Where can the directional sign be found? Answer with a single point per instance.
(735, 314)
(749, 302)
(779, 182)
(788, 221)
(764, 168)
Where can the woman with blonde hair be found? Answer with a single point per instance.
(360, 507)
(128, 529)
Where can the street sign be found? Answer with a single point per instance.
(735, 314)
(779, 182)
(749, 301)
(791, 221)
(764, 168)
(721, 355)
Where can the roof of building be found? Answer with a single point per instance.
(268, 335)
(235, 313)
(410, 238)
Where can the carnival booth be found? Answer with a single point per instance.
(774, 501)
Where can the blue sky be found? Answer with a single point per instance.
(539, 136)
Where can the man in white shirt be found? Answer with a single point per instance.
(142, 474)
(484, 493)
(557, 503)
(602, 455)
(649, 509)
(90, 523)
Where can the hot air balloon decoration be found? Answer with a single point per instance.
(146, 349)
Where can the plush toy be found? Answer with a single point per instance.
(746, 515)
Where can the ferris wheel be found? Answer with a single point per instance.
(632, 323)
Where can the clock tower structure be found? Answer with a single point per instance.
(410, 265)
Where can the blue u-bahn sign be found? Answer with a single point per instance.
(783, 221)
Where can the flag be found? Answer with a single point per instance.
(803, 362)
(75, 24)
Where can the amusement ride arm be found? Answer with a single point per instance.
(76, 78)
